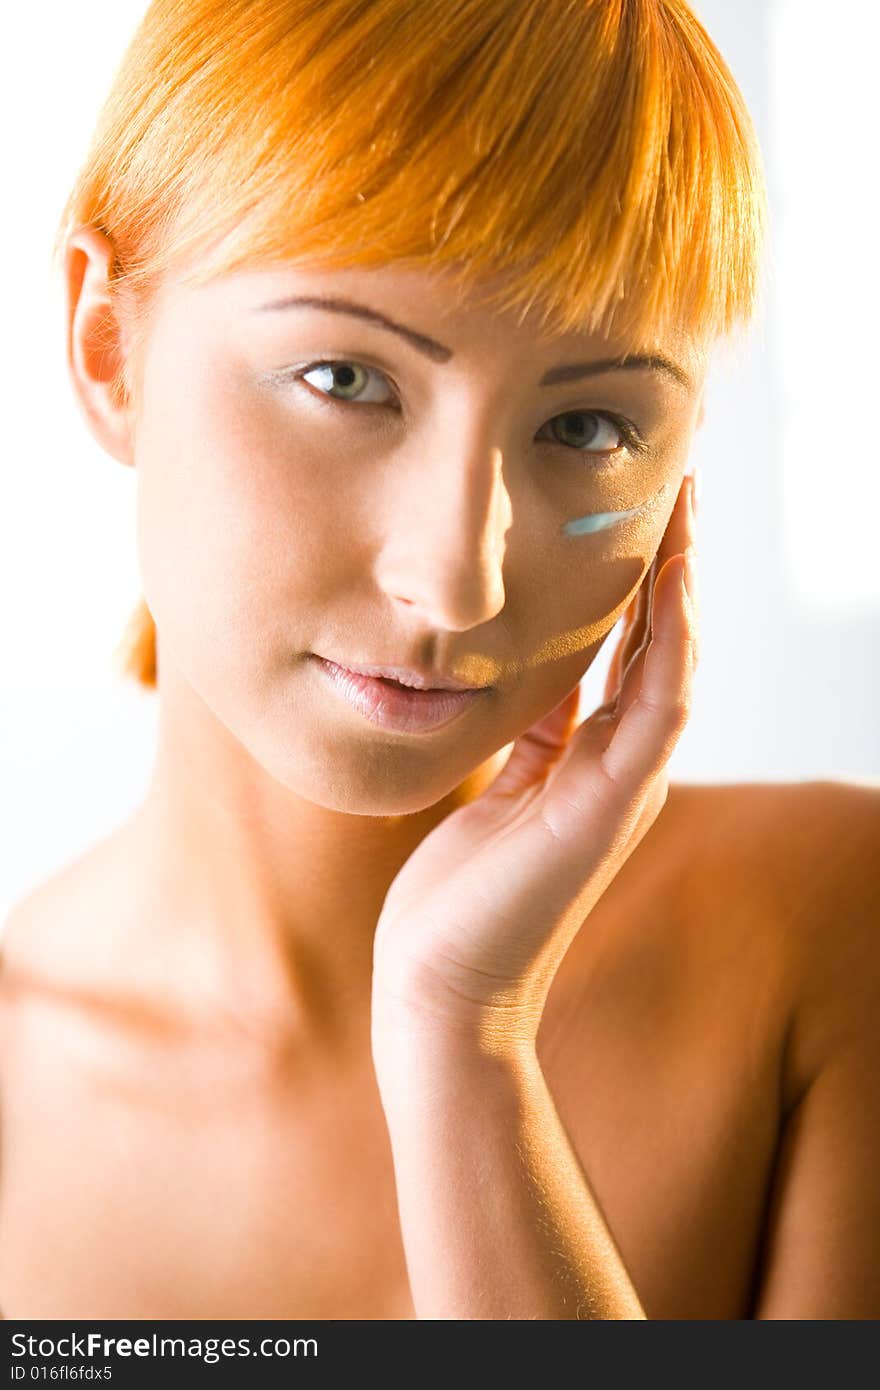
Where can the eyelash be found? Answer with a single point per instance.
(628, 432)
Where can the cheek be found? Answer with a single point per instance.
(575, 597)
(236, 523)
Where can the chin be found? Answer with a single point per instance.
(365, 774)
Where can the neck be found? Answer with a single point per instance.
(265, 903)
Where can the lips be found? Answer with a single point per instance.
(394, 705)
(406, 676)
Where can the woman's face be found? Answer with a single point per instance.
(412, 506)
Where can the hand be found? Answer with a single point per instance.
(476, 923)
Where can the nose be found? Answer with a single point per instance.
(447, 515)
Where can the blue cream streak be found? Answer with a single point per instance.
(597, 521)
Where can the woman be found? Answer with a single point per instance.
(395, 1002)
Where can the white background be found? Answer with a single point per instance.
(787, 687)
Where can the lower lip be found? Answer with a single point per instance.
(397, 707)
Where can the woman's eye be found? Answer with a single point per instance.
(591, 431)
(348, 379)
(585, 431)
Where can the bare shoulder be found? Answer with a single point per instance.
(829, 880)
(804, 847)
(809, 849)
(52, 934)
(780, 816)
(761, 897)
(800, 863)
(714, 1045)
(813, 852)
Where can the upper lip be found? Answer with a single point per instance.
(418, 679)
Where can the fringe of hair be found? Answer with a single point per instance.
(594, 156)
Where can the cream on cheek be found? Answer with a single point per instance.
(597, 521)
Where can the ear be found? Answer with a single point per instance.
(96, 342)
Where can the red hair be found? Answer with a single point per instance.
(595, 154)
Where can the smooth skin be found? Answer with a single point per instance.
(493, 1022)
(502, 1222)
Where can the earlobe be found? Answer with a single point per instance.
(96, 342)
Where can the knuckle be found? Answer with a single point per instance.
(677, 712)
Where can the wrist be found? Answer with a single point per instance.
(435, 1016)
(415, 1049)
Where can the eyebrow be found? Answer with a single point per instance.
(429, 347)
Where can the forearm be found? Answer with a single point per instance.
(497, 1216)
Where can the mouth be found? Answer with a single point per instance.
(396, 705)
(406, 676)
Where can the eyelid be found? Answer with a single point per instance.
(632, 440)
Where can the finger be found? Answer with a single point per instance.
(617, 665)
(653, 720)
(637, 626)
(535, 751)
(652, 804)
(641, 626)
(680, 526)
